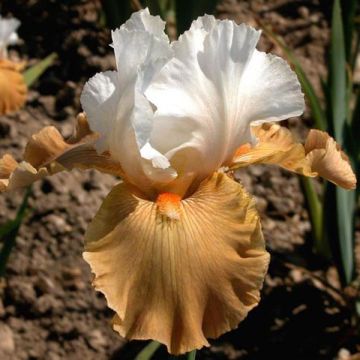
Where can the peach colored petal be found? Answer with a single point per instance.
(327, 159)
(48, 153)
(13, 90)
(320, 156)
(178, 279)
(7, 165)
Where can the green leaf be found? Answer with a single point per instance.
(148, 351)
(9, 232)
(342, 202)
(314, 102)
(339, 224)
(33, 73)
(338, 75)
(345, 212)
(314, 205)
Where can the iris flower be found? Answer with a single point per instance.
(177, 247)
(13, 90)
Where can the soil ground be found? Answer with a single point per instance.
(48, 309)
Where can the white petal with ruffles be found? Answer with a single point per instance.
(115, 103)
(213, 89)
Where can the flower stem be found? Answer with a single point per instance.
(148, 351)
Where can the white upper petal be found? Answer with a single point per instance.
(213, 89)
(8, 34)
(143, 21)
(115, 103)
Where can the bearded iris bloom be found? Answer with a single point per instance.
(13, 90)
(176, 247)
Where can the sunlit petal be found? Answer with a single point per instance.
(179, 272)
(320, 156)
(216, 85)
(327, 159)
(48, 153)
(143, 21)
(116, 106)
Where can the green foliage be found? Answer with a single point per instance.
(340, 216)
(337, 77)
(333, 228)
(148, 351)
(316, 217)
(9, 231)
(33, 73)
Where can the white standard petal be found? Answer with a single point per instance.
(116, 106)
(138, 52)
(143, 21)
(140, 56)
(216, 85)
(99, 99)
(206, 22)
(8, 34)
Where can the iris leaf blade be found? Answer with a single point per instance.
(338, 74)
(342, 202)
(33, 73)
(10, 232)
(148, 351)
(316, 217)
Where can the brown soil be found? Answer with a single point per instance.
(48, 309)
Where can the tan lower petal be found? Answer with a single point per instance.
(7, 165)
(327, 159)
(45, 146)
(180, 272)
(25, 174)
(320, 156)
(47, 153)
(13, 90)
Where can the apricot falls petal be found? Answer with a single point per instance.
(178, 281)
(48, 153)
